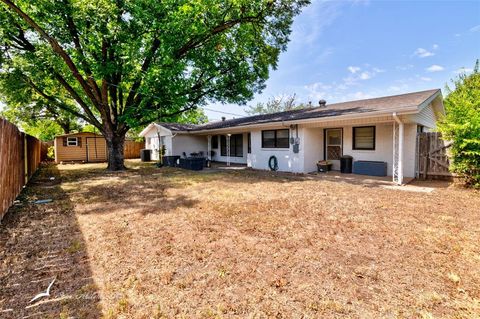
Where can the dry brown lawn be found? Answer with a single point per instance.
(165, 243)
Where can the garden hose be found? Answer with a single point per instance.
(273, 163)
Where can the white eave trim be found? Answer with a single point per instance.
(150, 126)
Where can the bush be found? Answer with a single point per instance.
(462, 126)
(51, 152)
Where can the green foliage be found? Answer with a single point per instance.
(127, 63)
(29, 107)
(462, 125)
(43, 129)
(278, 104)
(51, 152)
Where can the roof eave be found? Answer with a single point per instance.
(399, 111)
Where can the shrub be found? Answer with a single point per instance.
(462, 126)
(51, 152)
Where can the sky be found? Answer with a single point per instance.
(350, 50)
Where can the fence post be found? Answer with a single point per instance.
(25, 157)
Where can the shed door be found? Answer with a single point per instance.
(96, 149)
(334, 146)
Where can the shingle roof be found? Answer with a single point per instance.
(396, 102)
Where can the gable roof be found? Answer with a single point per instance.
(412, 102)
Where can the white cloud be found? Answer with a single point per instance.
(425, 78)
(423, 53)
(475, 28)
(365, 76)
(435, 46)
(353, 69)
(312, 22)
(435, 68)
(359, 74)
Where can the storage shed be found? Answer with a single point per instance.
(80, 147)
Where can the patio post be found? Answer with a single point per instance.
(209, 147)
(398, 141)
(228, 149)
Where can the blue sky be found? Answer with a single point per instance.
(347, 50)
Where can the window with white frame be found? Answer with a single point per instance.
(72, 141)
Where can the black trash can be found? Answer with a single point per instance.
(346, 164)
(145, 155)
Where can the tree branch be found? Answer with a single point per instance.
(73, 30)
(57, 48)
(53, 100)
(198, 41)
(146, 64)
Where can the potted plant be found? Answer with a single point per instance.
(324, 166)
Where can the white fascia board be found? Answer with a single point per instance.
(153, 125)
(429, 100)
(145, 130)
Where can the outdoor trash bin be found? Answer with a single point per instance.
(346, 164)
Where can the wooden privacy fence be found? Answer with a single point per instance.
(132, 149)
(20, 157)
(433, 158)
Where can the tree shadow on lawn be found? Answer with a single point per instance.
(129, 191)
(40, 243)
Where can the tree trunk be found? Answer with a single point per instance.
(115, 145)
(65, 127)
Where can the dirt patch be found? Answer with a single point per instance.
(235, 244)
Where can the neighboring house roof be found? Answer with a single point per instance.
(409, 102)
(177, 126)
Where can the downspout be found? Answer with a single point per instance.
(400, 147)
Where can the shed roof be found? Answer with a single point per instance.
(79, 133)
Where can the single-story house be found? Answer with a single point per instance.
(379, 129)
(89, 147)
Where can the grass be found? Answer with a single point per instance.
(163, 243)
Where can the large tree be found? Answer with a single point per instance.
(129, 62)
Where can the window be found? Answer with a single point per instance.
(276, 139)
(364, 138)
(72, 141)
(249, 142)
(236, 145)
(215, 141)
